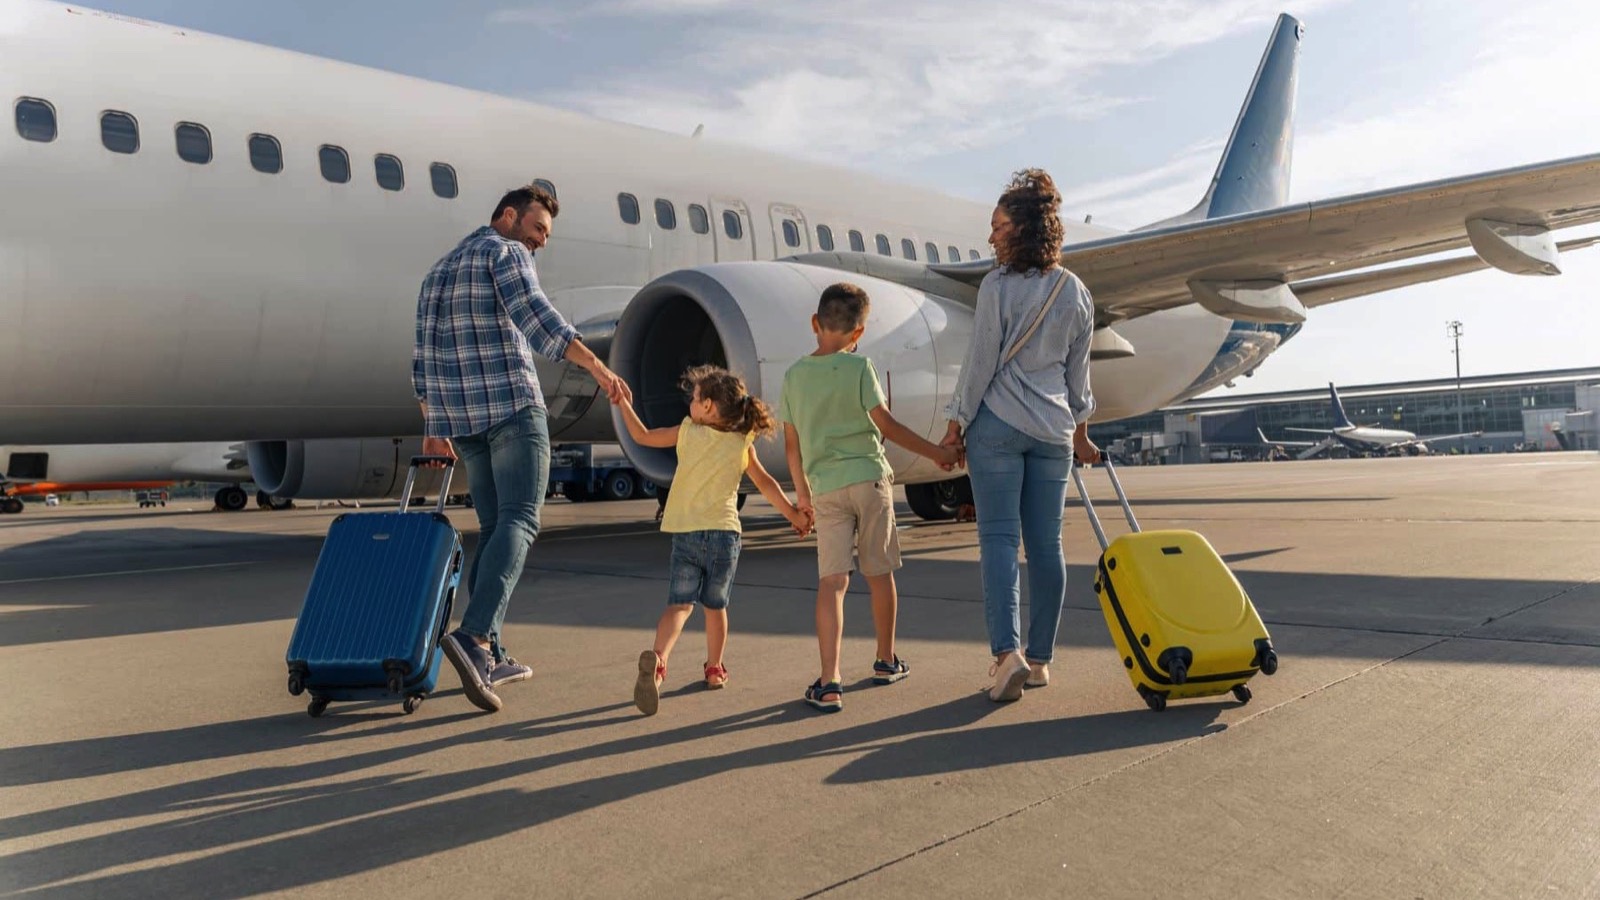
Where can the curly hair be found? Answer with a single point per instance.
(737, 410)
(1033, 205)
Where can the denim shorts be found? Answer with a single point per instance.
(702, 568)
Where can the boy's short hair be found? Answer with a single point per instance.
(843, 308)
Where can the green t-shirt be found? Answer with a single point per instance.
(826, 399)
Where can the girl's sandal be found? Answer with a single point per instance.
(716, 676)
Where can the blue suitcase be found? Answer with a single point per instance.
(379, 601)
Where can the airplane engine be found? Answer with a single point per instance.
(755, 319)
(356, 469)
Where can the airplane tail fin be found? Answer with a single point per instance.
(1340, 420)
(1254, 171)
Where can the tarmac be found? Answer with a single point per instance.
(1433, 730)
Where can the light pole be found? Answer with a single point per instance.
(1453, 329)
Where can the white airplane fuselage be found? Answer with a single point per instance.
(146, 298)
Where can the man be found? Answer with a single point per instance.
(480, 318)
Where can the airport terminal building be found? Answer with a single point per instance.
(1549, 410)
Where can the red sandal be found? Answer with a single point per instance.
(716, 676)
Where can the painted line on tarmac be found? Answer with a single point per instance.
(128, 572)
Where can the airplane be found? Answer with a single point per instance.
(59, 469)
(262, 221)
(1369, 438)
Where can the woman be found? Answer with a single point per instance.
(1021, 407)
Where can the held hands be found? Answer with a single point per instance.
(803, 520)
(617, 390)
(953, 442)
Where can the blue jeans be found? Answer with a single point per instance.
(1019, 485)
(508, 468)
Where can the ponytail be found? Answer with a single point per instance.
(737, 409)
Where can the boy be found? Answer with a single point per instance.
(834, 419)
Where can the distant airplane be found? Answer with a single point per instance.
(66, 468)
(1365, 438)
(11, 493)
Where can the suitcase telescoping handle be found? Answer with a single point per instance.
(411, 479)
(1088, 507)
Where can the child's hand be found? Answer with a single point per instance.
(949, 457)
(800, 520)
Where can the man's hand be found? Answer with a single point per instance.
(616, 389)
(437, 447)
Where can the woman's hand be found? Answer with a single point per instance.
(1084, 449)
(952, 438)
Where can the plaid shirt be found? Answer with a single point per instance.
(480, 318)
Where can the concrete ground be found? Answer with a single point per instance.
(1433, 730)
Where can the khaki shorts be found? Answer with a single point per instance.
(860, 518)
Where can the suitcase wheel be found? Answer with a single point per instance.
(317, 707)
(412, 702)
(296, 686)
(397, 682)
(1269, 664)
(1241, 693)
(1154, 699)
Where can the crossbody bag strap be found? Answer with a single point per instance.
(1037, 320)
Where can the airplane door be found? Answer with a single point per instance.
(789, 232)
(730, 222)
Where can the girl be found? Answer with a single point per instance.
(702, 514)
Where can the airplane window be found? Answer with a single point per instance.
(955, 255)
(824, 237)
(391, 175)
(119, 132)
(857, 243)
(266, 154)
(628, 206)
(731, 225)
(666, 216)
(548, 187)
(972, 254)
(194, 143)
(444, 181)
(36, 120)
(883, 245)
(791, 233)
(933, 252)
(908, 249)
(335, 164)
(698, 220)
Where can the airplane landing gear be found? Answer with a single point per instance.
(265, 500)
(10, 505)
(232, 498)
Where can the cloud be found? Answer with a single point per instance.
(884, 84)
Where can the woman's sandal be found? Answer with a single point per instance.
(716, 676)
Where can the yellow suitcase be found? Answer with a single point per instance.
(1181, 622)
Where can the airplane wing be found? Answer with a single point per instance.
(1322, 291)
(1300, 245)
(1308, 430)
(1444, 437)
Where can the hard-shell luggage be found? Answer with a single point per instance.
(379, 601)
(1179, 618)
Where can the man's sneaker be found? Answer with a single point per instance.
(473, 664)
(817, 692)
(1038, 675)
(509, 671)
(889, 672)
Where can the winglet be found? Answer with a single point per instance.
(1254, 171)
(1340, 420)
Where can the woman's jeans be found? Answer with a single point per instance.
(1019, 485)
(508, 467)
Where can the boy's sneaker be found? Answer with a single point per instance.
(889, 672)
(817, 691)
(509, 671)
(473, 663)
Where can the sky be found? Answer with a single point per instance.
(1126, 104)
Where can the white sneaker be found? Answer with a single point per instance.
(1009, 674)
(1038, 675)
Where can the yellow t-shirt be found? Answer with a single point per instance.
(705, 490)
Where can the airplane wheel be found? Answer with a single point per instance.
(232, 498)
(265, 500)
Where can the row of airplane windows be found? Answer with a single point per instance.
(119, 133)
